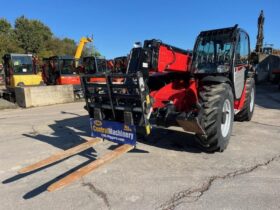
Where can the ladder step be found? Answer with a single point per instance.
(90, 167)
(60, 156)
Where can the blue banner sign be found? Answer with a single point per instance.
(113, 131)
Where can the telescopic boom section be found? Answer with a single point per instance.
(81, 45)
(156, 56)
(172, 59)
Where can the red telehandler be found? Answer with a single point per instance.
(202, 92)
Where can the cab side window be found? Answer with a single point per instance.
(242, 50)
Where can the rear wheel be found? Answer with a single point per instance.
(216, 116)
(246, 113)
(42, 83)
(20, 84)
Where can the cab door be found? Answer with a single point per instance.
(241, 63)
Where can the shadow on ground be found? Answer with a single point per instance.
(66, 134)
(268, 96)
(171, 140)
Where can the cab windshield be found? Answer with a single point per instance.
(22, 64)
(67, 66)
(90, 65)
(101, 65)
(120, 65)
(213, 53)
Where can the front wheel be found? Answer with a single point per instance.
(216, 116)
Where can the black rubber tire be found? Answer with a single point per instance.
(42, 83)
(212, 98)
(20, 84)
(245, 114)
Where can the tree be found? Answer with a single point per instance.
(69, 46)
(31, 34)
(5, 26)
(66, 46)
(56, 46)
(8, 43)
(90, 50)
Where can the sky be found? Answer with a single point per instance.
(117, 25)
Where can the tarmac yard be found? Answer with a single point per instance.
(166, 171)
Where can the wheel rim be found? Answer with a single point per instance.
(252, 102)
(225, 126)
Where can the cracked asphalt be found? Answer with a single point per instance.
(165, 171)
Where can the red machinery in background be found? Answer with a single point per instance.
(98, 64)
(61, 70)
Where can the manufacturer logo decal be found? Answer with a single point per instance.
(97, 123)
(127, 128)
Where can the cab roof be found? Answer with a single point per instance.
(62, 57)
(220, 31)
(16, 54)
